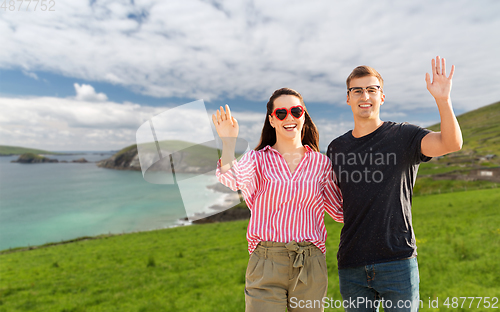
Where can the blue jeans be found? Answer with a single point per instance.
(392, 285)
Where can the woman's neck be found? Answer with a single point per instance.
(288, 146)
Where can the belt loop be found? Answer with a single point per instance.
(265, 252)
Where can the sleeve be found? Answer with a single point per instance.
(332, 195)
(242, 175)
(415, 136)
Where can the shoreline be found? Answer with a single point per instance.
(179, 223)
(221, 215)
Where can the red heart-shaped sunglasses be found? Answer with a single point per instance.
(282, 113)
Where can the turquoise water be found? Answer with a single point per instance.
(41, 203)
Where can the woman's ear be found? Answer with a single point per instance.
(271, 120)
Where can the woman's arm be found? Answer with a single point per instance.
(332, 196)
(227, 129)
(239, 175)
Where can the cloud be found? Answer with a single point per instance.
(69, 124)
(87, 93)
(81, 123)
(30, 74)
(225, 49)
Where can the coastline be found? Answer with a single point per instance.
(224, 211)
(231, 207)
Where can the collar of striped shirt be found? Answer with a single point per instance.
(268, 147)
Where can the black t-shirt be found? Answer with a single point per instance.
(376, 174)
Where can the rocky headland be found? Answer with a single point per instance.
(31, 158)
(188, 160)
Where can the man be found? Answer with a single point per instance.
(376, 166)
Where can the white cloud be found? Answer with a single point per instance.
(30, 74)
(198, 49)
(74, 123)
(86, 92)
(68, 124)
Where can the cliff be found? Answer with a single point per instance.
(125, 159)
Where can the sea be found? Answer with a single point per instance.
(54, 202)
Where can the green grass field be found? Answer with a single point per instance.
(202, 267)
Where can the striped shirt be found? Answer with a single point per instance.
(285, 206)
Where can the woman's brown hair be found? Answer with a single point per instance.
(310, 134)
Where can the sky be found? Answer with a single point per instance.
(88, 74)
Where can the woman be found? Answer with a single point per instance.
(287, 184)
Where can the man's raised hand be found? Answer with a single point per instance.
(440, 86)
(225, 124)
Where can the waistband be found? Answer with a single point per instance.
(300, 249)
(277, 244)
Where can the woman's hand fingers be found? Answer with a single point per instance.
(223, 114)
(228, 113)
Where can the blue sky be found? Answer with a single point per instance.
(87, 75)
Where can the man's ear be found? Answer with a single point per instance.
(383, 99)
(347, 100)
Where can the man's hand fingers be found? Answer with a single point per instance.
(214, 119)
(438, 69)
(443, 61)
(452, 71)
(428, 79)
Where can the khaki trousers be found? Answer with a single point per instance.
(281, 276)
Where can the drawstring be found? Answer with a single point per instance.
(298, 262)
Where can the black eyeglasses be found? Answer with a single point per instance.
(358, 91)
(295, 111)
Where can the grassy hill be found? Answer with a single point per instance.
(480, 130)
(6, 150)
(202, 268)
(480, 151)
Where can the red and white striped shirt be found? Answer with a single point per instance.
(285, 206)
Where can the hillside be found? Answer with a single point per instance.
(477, 165)
(6, 150)
(480, 130)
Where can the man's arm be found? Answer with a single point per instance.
(450, 138)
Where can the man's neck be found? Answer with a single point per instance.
(365, 126)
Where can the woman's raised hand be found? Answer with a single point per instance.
(225, 124)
